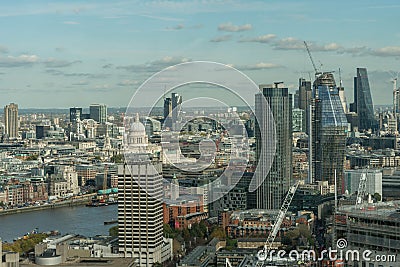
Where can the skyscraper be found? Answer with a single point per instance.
(167, 112)
(176, 107)
(11, 120)
(305, 96)
(329, 131)
(305, 93)
(270, 194)
(98, 112)
(140, 219)
(363, 105)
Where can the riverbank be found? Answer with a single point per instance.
(76, 201)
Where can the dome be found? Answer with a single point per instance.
(137, 127)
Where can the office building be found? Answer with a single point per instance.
(305, 94)
(363, 105)
(373, 184)
(176, 107)
(375, 228)
(98, 112)
(167, 112)
(11, 120)
(140, 214)
(75, 115)
(329, 131)
(299, 120)
(276, 181)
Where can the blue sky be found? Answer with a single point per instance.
(73, 53)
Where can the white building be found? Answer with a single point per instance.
(140, 218)
(374, 181)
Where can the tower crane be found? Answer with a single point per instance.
(362, 188)
(263, 254)
(312, 60)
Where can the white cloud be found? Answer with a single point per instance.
(388, 51)
(56, 63)
(222, 38)
(3, 49)
(155, 65)
(259, 66)
(229, 27)
(71, 22)
(19, 61)
(267, 38)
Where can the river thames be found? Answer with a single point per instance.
(86, 221)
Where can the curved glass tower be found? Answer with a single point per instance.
(329, 131)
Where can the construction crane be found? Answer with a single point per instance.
(362, 188)
(263, 254)
(312, 60)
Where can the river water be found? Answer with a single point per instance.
(86, 221)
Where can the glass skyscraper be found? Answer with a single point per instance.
(329, 131)
(270, 194)
(363, 105)
(98, 112)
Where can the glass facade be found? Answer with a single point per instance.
(363, 101)
(329, 131)
(270, 194)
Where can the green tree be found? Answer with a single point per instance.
(218, 232)
(304, 231)
(377, 197)
(186, 234)
(168, 231)
(113, 231)
(117, 158)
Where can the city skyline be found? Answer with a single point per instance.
(103, 51)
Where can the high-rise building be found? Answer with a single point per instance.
(299, 120)
(305, 94)
(167, 112)
(98, 112)
(270, 194)
(140, 215)
(304, 102)
(11, 120)
(363, 105)
(329, 131)
(176, 107)
(75, 115)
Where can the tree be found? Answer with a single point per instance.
(218, 232)
(168, 231)
(32, 157)
(113, 231)
(118, 158)
(377, 197)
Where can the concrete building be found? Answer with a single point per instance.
(11, 123)
(140, 218)
(8, 258)
(374, 228)
(374, 181)
(299, 120)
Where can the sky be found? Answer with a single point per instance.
(59, 54)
